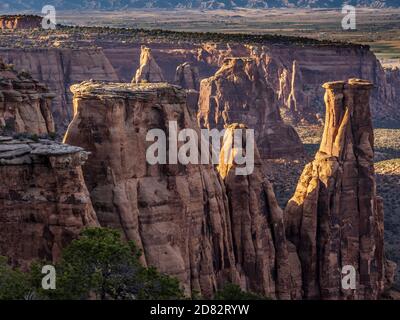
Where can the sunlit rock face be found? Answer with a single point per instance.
(17, 22)
(44, 202)
(148, 71)
(258, 230)
(186, 218)
(25, 104)
(335, 218)
(238, 92)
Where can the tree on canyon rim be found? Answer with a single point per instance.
(98, 265)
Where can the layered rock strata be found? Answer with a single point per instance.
(238, 92)
(44, 202)
(335, 218)
(181, 216)
(13, 22)
(59, 68)
(25, 104)
(258, 231)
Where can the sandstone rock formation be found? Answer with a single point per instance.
(44, 202)
(13, 22)
(183, 218)
(335, 218)
(267, 260)
(59, 69)
(149, 71)
(187, 76)
(239, 93)
(25, 104)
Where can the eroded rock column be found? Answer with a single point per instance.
(335, 218)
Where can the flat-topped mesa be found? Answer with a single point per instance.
(25, 104)
(148, 71)
(178, 214)
(13, 22)
(43, 196)
(335, 218)
(238, 92)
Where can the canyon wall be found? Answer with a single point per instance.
(44, 202)
(11, 22)
(295, 73)
(58, 69)
(182, 216)
(335, 218)
(238, 92)
(25, 104)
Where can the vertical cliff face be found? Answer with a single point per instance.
(267, 260)
(13, 22)
(187, 76)
(182, 216)
(44, 202)
(148, 71)
(177, 214)
(239, 93)
(58, 69)
(297, 72)
(335, 218)
(25, 104)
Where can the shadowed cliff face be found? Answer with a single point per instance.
(335, 217)
(44, 202)
(295, 73)
(182, 216)
(239, 93)
(58, 69)
(25, 104)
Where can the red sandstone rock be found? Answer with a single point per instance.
(239, 93)
(25, 104)
(44, 202)
(183, 218)
(14, 22)
(148, 71)
(187, 76)
(335, 217)
(59, 69)
(258, 231)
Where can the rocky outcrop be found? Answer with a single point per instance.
(182, 216)
(296, 72)
(267, 260)
(239, 93)
(13, 22)
(187, 76)
(335, 218)
(148, 71)
(25, 104)
(44, 202)
(58, 69)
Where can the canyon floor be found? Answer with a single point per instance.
(378, 28)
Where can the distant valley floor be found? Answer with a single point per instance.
(379, 28)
